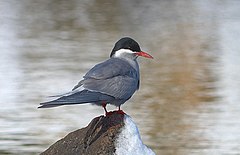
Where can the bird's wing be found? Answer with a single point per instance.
(77, 97)
(110, 68)
(121, 87)
(113, 77)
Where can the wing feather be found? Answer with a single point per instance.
(113, 77)
(121, 87)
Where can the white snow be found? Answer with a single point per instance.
(129, 141)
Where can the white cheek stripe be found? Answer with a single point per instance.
(121, 52)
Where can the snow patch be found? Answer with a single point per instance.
(129, 141)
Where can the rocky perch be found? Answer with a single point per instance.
(105, 135)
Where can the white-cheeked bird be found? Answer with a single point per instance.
(113, 81)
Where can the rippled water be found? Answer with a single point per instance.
(188, 100)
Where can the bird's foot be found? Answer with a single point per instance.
(109, 113)
(121, 112)
(116, 111)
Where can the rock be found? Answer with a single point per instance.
(105, 135)
(97, 138)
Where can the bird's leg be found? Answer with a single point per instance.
(104, 104)
(119, 108)
(120, 111)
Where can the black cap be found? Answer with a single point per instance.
(125, 43)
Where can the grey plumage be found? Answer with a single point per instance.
(113, 81)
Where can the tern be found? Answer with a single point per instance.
(113, 81)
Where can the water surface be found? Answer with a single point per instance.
(188, 99)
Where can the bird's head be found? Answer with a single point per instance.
(128, 48)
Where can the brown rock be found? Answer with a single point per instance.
(96, 139)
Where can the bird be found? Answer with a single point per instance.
(113, 81)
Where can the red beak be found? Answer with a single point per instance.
(144, 54)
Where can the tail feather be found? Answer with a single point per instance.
(68, 93)
(82, 97)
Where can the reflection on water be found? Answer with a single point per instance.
(188, 99)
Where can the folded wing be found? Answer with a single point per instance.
(112, 79)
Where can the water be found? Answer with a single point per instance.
(188, 100)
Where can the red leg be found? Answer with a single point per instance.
(120, 111)
(119, 108)
(105, 109)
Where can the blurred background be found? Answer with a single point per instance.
(188, 102)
